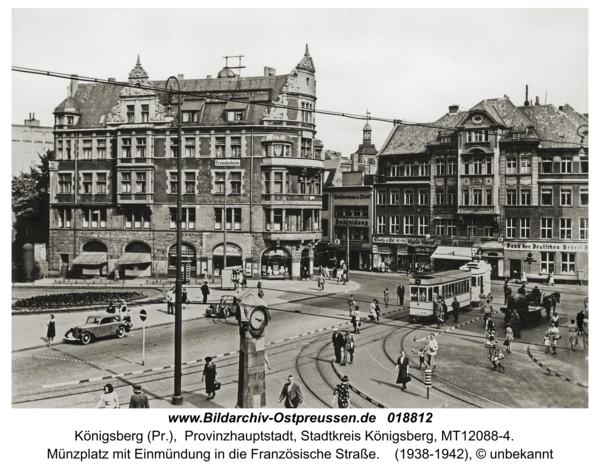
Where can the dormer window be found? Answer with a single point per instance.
(130, 113)
(233, 116)
(69, 120)
(145, 113)
(190, 116)
(446, 140)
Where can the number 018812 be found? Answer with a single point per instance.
(410, 417)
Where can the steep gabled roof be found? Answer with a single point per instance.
(554, 129)
(69, 104)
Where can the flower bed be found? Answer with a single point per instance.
(76, 300)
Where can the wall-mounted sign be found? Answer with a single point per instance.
(227, 163)
(352, 197)
(231, 250)
(546, 246)
(390, 240)
(352, 222)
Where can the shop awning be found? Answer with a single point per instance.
(90, 258)
(444, 216)
(133, 258)
(452, 253)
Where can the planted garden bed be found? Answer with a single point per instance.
(72, 301)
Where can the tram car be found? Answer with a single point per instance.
(465, 284)
(426, 288)
(481, 279)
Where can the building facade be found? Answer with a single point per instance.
(504, 183)
(29, 141)
(251, 169)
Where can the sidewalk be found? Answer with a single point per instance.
(28, 330)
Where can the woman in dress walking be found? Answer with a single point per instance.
(402, 369)
(573, 334)
(51, 332)
(509, 338)
(210, 373)
(109, 398)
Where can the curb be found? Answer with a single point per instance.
(552, 372)
(452, 328)
(191, 362)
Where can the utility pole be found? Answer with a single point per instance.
(177, 399)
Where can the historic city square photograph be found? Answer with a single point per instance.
(312, 209)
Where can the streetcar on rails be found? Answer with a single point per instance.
(465, 284)
(481, 279)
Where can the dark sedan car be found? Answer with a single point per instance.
(99, 326)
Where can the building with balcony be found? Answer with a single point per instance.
(505, 183)
(251, 167)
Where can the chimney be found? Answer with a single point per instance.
(74, 85)
(561, 109)
(111, 79)
(526, 95)
(209, 76)
(269, 71)
(453, 110)
(537, 101)
(179, 76)
(32, 121)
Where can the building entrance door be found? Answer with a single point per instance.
(515, 269)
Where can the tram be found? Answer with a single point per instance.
(481, 279)
(465, 284)
(427, 288)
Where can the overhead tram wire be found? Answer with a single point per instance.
(194, 94)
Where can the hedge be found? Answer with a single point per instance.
(50, 301)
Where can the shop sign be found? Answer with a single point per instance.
(231, 250)
(390, 240)
(352, 197)
(476, 209)
(384, 250)
(454, 243)
(227, 163)
(403, 251)
(375, 249)
(352, 222)
(546, 246)
(421, 241)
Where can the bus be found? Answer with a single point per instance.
(425, 289)
(481, 279)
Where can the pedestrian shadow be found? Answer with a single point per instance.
(395, 386)
(199, 401)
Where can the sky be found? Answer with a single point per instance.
(408, 64)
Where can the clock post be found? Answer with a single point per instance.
(251, 371)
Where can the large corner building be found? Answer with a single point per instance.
(252, 168)
(502, 182)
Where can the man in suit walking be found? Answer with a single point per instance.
(292, 394)
(401, 294)
(205, 292)
(338, 343)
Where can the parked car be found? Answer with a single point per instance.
(100, 326)
(229, 307)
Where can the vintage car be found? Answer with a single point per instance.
(99, 326)
(230, 307)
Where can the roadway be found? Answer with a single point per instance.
(464, 377)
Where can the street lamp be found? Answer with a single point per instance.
(177, 399)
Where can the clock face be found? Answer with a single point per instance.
(257, 323)
(257, 319)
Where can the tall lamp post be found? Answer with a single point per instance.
(177, 399)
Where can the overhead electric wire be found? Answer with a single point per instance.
(196, 94)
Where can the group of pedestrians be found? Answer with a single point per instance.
(110, 399)
(343, 346)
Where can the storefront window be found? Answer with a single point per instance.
(276, 263)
